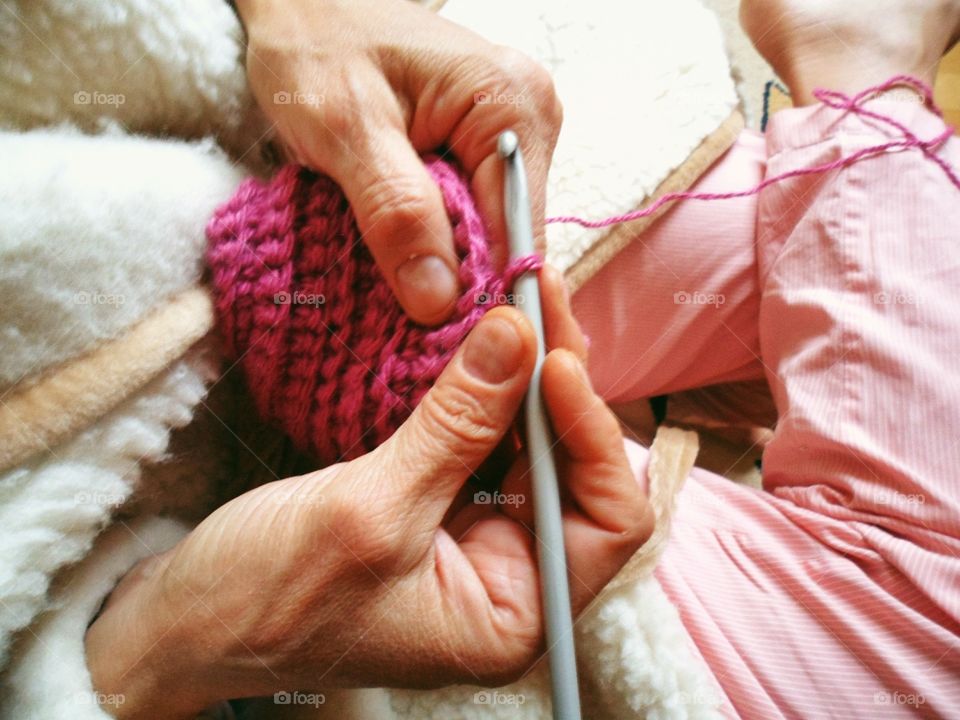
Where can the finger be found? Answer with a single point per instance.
(486, 186)
(599, 477)
(475, 105)
(608, 516)
(400, 211)
(595, 556)
(561, 328)
(562, 331)
(463, 417)
(490, 473)
(495, 466)
(486, 175)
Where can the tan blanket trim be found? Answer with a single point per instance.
(680, 180)
(671, 458)
(78, 392)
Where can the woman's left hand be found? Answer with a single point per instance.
(389, 569)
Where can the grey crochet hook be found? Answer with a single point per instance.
(551, 555)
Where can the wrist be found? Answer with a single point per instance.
(140, 654)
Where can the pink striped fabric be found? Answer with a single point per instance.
(835, 592)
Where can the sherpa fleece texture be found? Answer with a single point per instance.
(95, 231)
(54, 505)
(156, 67)
(46, 412)
(54, 648)
(178, 66)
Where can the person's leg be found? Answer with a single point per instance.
(835, 593)
(678, 308)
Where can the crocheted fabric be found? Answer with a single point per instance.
(328, 353)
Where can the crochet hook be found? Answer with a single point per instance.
(551, 555)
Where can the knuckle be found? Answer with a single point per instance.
(516, 64)
(361, 537)
(453, 415)
(535, 81)
(337, 119)
(335, 130)
(538, 79)
(397, 207)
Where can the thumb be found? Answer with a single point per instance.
(464, 416)
(400, 212)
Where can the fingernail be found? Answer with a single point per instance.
(494, 351)
(426, 284)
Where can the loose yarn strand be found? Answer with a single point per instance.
(328, 353)
(832, 99)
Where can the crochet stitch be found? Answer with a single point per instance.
(328, 353)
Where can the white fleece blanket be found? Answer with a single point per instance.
(642, 83)
(118, 214)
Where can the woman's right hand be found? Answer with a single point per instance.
(381, 571)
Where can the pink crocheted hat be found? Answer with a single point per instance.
(328, 353)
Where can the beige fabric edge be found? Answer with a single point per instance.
(672, 455)
(703, 156)
(78, 392)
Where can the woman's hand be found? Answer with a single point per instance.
(358, 88)
(387, 570)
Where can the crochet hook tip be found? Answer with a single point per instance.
(507, 144)
(516, 196)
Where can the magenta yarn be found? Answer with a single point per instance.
(328, 353)
(838, 101)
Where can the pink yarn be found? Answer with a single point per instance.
(832, 99)
(327, 351)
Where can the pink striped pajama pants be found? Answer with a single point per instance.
(835, 591)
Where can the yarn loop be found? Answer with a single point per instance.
(838, 101)
(328, 352)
